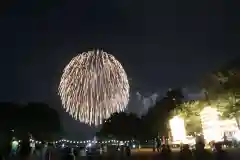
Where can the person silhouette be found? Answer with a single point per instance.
(25, 149)
(165, 152)
(220, 154)
(70, 155)
(128, 151)
(185, 153)
(201, 153)
(158, 141)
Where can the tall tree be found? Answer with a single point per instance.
(8, 121)
(213, 89)
(45, 121)
(190, 112)
(226, 90)
(230, 103)
(156, 120)
(123, 126)
(8, 116)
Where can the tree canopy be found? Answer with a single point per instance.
(45, 120)
(224, 89)
(127, 126)
(122, 126)
(8, 115)
(156, 119)
(190, 111)
(36, 118)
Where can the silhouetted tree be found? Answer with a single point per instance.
(156, 120)
(36, 118)
(190, 112)
(223, 89)
(40, 120)
(8, 115)
(123, 126)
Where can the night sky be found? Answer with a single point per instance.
(161, 44)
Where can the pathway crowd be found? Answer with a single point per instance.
(164, 152)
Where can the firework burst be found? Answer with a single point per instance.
(94, 85)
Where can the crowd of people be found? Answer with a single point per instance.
(199, 153)
(26, 151)
(48, 151)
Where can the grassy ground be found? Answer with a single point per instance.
(147, 154)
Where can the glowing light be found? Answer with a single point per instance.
(211, 124)
(178, 129)
(15, 145)
(228, 125)
(94, 85)
(89, 145)
(237, 135)
(190, 140)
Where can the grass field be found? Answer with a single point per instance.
(148, 154)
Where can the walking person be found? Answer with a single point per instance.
(158, 142)
(154, 144)
(44, 151)
(165, 153)
(200, 153)
(185, 153)
(25, 150)
(220, 154)
(71, 155)
(128, 151)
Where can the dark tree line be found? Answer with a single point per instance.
(155, 122)
(121, 125)
(38, 119)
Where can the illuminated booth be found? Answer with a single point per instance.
(178, 130)
(214, 129)
(211, 124)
